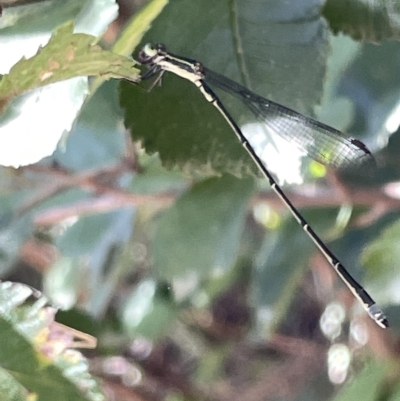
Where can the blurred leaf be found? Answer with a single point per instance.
(96, 16)
(284, 258)
(335, 110)
(364, 20)
(62, 100)
(14, 230)
(368, 385)
(212, 362)
(138, 26)
(148, 311)
(90, 246)
(395, 393)
(95, 231)
(97, 139)
(282, 253)
(11, 239)
(37, 15)
(381, 257)
(201, 231)
(65, 280)
(155, 178)
(66, 55)
(372, 84)
(265, 46)
(280, 265)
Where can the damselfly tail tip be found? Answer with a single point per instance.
(377, 314)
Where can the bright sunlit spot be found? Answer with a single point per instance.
(60, 290)
(339, 358)
(185, 285)
(139, 304)
(39, 118)
(19, 46)
(331, 320)
(393, 121)
(359, 333)
(280, 157)
(318, 170)
(392, 289)
(266, 216)
(22, 141)
(392, 189)
(265, 318)
(36, 121)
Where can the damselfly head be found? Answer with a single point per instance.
(150, 52)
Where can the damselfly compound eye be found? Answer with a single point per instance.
(149, 50)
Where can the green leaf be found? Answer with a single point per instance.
(93, 241)
(284, 259)
(260, 44)
(364, 20)
(98, 231)
(66, 55)
(138, 26)
(201, 232)
(98, 137)
(395, 393)
(337, 110)
(280, 264)
(373, 88)
(381, 257)
(15, 229)
(148, 311)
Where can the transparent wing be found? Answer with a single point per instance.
(319, 141)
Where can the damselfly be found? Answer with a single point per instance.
(321, 142)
